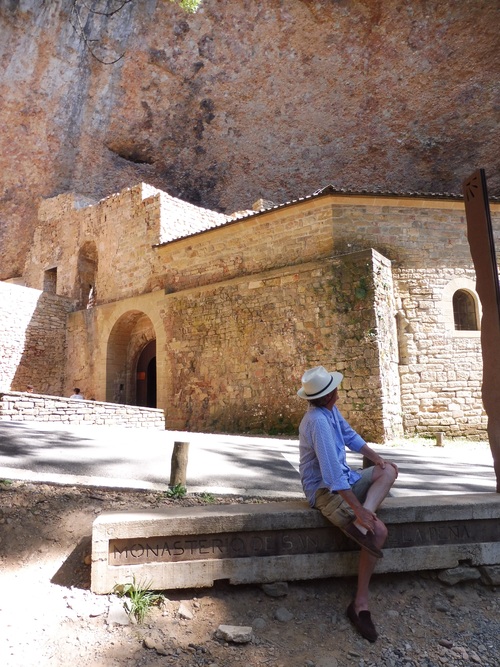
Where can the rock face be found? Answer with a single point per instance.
(242, 100)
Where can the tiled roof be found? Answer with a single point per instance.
(327, 190)
(332, 190)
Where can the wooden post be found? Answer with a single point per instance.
(367, 463)
(482, 248)
(178, 468)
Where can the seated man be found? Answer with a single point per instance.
(347, 498)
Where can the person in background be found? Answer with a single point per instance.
(347, 498)
(29, 388)
(77, 395)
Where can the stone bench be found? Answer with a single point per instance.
(192, 547)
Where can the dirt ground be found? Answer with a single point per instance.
(49, 617)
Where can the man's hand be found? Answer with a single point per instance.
(382, 464)
(376, 459)
(366, 518)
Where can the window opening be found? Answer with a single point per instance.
(87, 273)
(50, 281)
(464, 311)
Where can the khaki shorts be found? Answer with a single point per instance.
(334, 507)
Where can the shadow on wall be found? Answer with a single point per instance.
(43, 357)
(33, 336)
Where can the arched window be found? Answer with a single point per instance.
(87, 274)
(464, 311)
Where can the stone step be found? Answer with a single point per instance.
(192, 547)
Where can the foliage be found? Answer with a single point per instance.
(282, 427)
(177, 491)
(5, 482)
(207, 497)
(140, 598)
(190, 6)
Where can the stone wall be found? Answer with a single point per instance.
(117, 235)
(237, 349)
(32, 339)
(410, 232)
(440, 367)
(137, 235)
(16, 406)
(272, 239)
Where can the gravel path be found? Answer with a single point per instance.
(49, 617)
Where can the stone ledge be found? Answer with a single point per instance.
(180, 547)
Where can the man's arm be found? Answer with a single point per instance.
(365, 517)
(375, 458)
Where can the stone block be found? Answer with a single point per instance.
(179, 547)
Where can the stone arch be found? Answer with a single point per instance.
(87, 274)
(467, 288)
(130, 335)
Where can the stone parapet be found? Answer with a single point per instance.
(179, 547)
(20, 406)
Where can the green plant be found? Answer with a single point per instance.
(207, 497)
(5, 482)
(140, 598)
(361, 289)
(177, 491)
(189, 6)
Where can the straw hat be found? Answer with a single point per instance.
(317, 382)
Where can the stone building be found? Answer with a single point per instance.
(144, 299)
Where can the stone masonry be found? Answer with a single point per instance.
(32, 339)
(31, 407)
(238, 306)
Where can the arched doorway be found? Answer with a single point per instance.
(131, 354)
(146, 376)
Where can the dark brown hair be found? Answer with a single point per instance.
(322, 400)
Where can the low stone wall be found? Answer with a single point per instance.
(20, 406)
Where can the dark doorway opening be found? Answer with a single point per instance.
(146, 376)
(151, 381)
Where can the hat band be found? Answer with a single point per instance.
(320, 391)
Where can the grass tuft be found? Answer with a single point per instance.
(140, 599)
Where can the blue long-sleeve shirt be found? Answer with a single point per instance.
(324, 435)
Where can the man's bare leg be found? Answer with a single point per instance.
(366, 566)
(383, 479)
